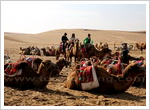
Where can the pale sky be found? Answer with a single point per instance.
(41, 16)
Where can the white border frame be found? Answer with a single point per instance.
(84, 107)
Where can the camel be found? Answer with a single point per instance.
(141, 46)
(45, 52)
(73, 52)
(25, 51)
(101, 46)
(90, 51)
(29, 79)
(108, 84)
(35, 51)
(96, 46)
(58, 52)
(52, 51)
(58, 66)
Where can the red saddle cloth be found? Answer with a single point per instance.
(83, 50)
(61, 46)
(85, 74)
(11, 69)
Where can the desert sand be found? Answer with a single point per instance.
(55, 94)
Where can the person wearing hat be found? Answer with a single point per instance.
(64, 40)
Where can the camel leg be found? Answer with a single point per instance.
(70, 61)
(141, 51)
(75, 57)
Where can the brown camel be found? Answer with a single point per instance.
(141, 46)
(96, 46)
(90, 51)
(58, 52)
(101, 46)
(35, 51)
(73, 52)
(29, 78)
(108, 84)
(59, 66)
(52, 51)
(25, 51)
(45, 52)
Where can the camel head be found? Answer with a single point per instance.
(47, 65)
(135, 69)
(64, 62)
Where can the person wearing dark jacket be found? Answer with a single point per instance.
(64, 40)
(124, 53)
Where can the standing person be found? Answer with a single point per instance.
(64, 41)
(72, 41)
(87, 40)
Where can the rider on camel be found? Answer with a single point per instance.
(72, 41)
(87, 40)
(64, 41)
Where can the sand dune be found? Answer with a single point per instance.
(54, 36)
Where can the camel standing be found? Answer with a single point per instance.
(74, 51)
(58, 52)
(141, 46)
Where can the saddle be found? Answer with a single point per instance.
(29, 60)
(116, 69)
(12, 70)
(87, 76)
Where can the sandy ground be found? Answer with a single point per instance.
(55, 94)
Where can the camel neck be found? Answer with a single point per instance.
(60, 65)
(43, 78)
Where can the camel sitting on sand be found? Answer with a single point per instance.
(108, 84)
(29, 78)
(25, 51)
(35, 51)
(90, 50)
(58, 66)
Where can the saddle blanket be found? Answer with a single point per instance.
(88, 77)
(116, 69)
(12, 70)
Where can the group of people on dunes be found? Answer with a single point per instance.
(99, 70)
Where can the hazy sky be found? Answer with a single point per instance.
(38, 16)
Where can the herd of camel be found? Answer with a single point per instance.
(38, 75)
(52, 51)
